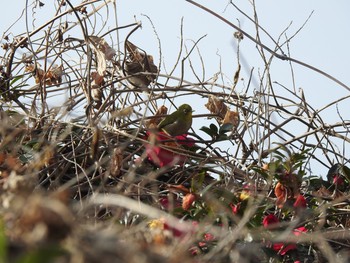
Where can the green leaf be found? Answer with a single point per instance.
(346, 172)
(42, 255)
(260, 171)
(15, 79)
(226, 128)
(197, 181)
(284, 148)
(315, 182)
(206, 130)
(3, 243)
(221, 193)
(222, 137)
(207, 188)
(212, 130)
(279, 155)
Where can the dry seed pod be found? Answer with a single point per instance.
(236, 76)
(116, 163)
(5, 46)
(96, 92)
(238, 35)
(96, 95)
(95, 143)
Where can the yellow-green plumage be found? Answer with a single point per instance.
(179, 122)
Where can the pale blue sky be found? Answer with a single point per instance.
(323, 42)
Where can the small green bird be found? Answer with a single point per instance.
(179, 122)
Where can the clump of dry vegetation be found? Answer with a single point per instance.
(86, 182)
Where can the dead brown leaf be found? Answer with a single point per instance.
(52, 77)
(153, 123)
(216, 106)
(232, 117)
(103, 53)
(138, 62)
